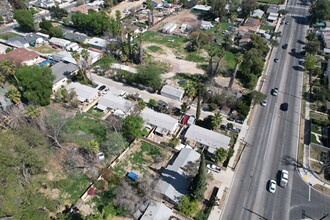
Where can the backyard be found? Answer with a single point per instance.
(8, 35)
(44, 49)
(142, 156)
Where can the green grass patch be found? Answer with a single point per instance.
(266, 27)
(155, 49)
(105, 62)
(316, 128)
(314, 140)
(95, 112)
(166, 40)
(195, 57)
(83, 124)
(319, 117)
(43, 49)
(8, 35)
(73, 187)
(229, 57)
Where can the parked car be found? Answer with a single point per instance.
(276, 60)
(239, 121)
(213, 167)
(223, 126)
(285, 46)
(272, 186)
(284, 178)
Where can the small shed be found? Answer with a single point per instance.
(132, 176)
(172, 93)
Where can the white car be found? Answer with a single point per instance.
(264, 103)
(284, 178)
(272, 186)
(275, 92)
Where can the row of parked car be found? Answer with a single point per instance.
(283, 181)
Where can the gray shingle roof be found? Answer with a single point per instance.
(169, 90)
(83, 92)
(114, 102)
(159, 120)
(157, 211)
(175, 183)
(208, 138)
(78, 37)
(61, 70)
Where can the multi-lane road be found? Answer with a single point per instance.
(273, 135)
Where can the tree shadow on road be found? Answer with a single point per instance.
(291, 161)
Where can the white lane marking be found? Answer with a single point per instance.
(309, 193)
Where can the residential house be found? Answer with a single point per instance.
(165, 124)
(25, 41)
(157, 211)
(201, 8)
(83, 9)
(203, 137)
(325, 34)
(253, 24)
(257, 13)
(75, 36)
(175, 182)
(272, 13)
(97, 3)
(62, 72)
(44, 3)
(93, 57)
(134, 28)
(172, 93)
(206, 25)
(42, 35)
(3, 48)
(21, 56)
(85, 94)
(98, 43)
(58, 42)
(118, 105)
(327, 72)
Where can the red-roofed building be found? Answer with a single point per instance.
(83, 9)
(21, 56)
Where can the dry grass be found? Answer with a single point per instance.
(316, 166)
(44, 49)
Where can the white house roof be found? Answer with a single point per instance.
(202, 7)
(157, 211)
(114, 102)
(159, 120)
(272, 16)
(83, 92)
(206, 23)
(211, 139)
(174, 182)
(258, 13)
(95, 41)
(172, 91)
(59, 41)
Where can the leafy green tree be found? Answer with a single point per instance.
(37, 83)
(114, 144)
(218, 8)
(220, 53)
(220, 155)
(238, 60)
(187, 206)
(25, 19)
(93, 146)
(57, 12)
(152, 103)
(2, 20)
(213, 106)
(33, 112)
(93, 22)
(174, 142)
(230, 126)
(319, 10)
(108, 212)
(212, 51)
(257, 97)
(133, 127)
(149, 75)
(248, 6)
(216, 120)
(190, 88)
(141, 104)
(251, 67)
(198, 185)
(14, 95)
(199, 105)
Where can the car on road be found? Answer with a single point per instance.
(103, 89)
(301, 62)
(223, 126)
(275, 91)
(272, 186)
(276, 60)
(286, 22)
(284, 106)
(285, 46)
(284, 178)
(263, 103)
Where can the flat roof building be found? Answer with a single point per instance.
(172, 93)
(110, 101)
(157, 211)
(84, 93)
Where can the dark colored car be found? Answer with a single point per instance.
(284, 106)
(223, 126)
(276, 60)
(285, 46)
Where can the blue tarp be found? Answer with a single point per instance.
(133, 176)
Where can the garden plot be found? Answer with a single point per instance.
(141, 157)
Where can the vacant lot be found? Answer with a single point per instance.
(44, 49)
(141, 157)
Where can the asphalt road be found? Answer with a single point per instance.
(272, 136)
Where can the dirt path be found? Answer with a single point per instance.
(178, 65)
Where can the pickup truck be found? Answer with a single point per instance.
(284, 178)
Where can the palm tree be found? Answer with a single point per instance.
(14, 95)
(211, 50)
(220, 53)
(140, 59)
(190, 89)
(184, 107)
(33, 112)
(76, 56)
(8, 69)
(216, 120)
(14, 117)
(85, 55)
(129, 42)
(238, 60)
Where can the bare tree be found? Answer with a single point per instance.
(14, 117)
(148, 183)
(52, 126)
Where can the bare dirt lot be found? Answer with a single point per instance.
(178, 65)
